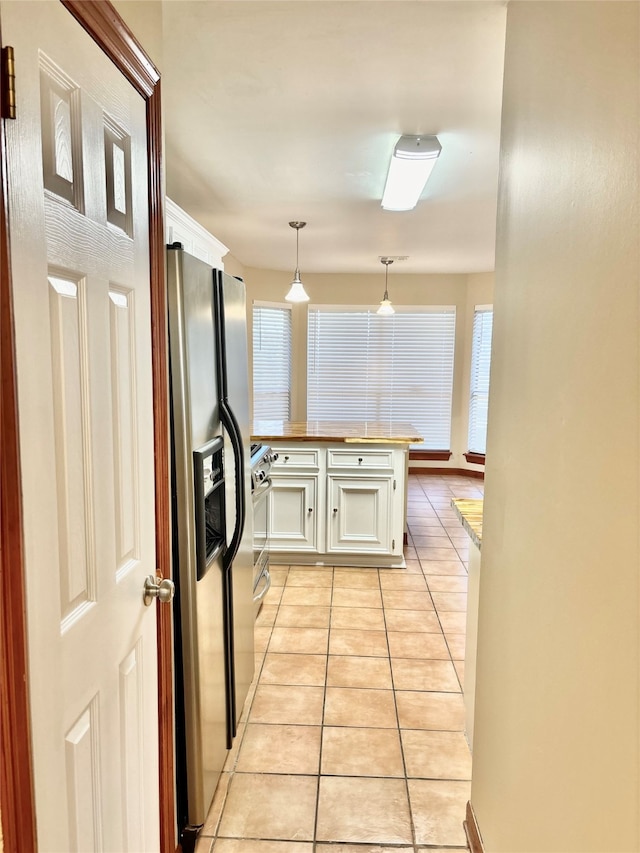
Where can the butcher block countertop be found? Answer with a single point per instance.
(354, 432)
(469, 511)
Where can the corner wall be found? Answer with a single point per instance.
(555, 764)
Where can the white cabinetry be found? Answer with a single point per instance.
(294, 500)
(338, 505)
(360, 514)
(294, 520)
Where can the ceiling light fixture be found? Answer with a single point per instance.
(411, 163)
(385, 306)
(297, 293)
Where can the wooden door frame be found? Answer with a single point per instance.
(101, 21)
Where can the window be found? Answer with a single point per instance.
(364, 367)
(479, 391)
(271, 362)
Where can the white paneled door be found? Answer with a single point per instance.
(77, 155)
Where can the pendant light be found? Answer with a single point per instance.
(297, 293)
(385, 306)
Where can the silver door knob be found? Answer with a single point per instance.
(163, 589)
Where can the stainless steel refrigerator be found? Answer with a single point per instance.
(212, 522)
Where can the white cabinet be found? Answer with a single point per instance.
(338, 504)
(293, 513)
(360, 514)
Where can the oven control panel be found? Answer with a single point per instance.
(262, 458)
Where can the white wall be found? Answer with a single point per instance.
(555, 765)
(463, 291)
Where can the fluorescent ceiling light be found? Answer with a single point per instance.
(413, 159)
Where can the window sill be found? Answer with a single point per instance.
(474, 458)
(431, 455)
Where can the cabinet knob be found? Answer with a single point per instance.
(335, 509)
(359, 460)
(310, 509)
(286, 458)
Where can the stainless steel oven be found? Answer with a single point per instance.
(262, 458)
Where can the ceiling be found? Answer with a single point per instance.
(279, 111)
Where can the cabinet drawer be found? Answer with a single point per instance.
(298, 458)
(360, 459)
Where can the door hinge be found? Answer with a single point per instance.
(8, 105)
(393, 544)
(394, 485)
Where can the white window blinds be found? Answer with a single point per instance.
(366, 367)
(271, 363)
(479, 391)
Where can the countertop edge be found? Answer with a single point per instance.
(469, 511)
(333, 439)
(350, 432)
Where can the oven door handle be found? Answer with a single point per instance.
(265, 577)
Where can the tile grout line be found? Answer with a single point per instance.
(314, 840)
(395, 704)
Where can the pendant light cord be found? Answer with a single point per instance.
(386, 262)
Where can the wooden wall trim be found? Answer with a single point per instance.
(16, 779)
(431, 455)
(159, 339)
(474, 839)
(465, 472)
(474, 458)
(103, 23)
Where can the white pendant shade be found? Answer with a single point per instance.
(386, 307)
(297, 293)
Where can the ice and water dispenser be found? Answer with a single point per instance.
(209, 503)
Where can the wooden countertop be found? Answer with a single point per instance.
(357, 432)
(469, 511)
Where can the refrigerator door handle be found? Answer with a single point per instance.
(231, 425)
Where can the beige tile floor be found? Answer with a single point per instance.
(352, 737)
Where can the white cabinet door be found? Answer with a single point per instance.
(294, 519)
(359, 514)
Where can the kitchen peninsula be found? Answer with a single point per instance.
(339, 491)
